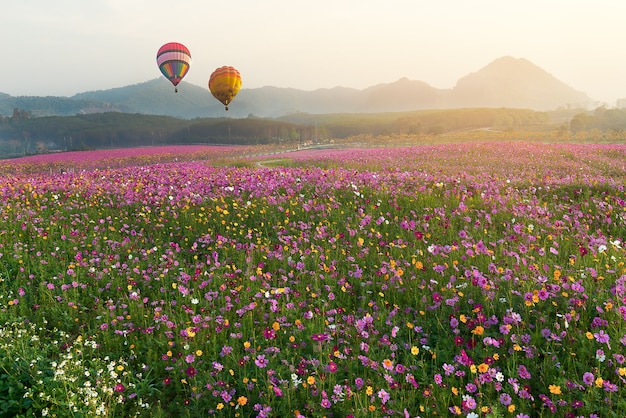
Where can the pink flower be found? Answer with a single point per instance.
(383, 396)
(261, 361)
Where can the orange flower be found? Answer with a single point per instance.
(555, 390)
(479, 330)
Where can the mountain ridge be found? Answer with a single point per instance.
(505, 82)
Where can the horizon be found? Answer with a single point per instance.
(111, 43)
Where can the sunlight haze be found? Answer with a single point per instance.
(66, 47)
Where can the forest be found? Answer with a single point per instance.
(24, 134)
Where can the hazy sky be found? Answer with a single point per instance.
(64, 47)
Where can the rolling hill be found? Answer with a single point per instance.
(505, 82)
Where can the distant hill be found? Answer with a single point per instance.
(506, 82)
(511, 82)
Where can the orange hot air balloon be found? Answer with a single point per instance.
(224, 84)
(174, 61)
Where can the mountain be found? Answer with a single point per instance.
(511, 82)
(505, 82)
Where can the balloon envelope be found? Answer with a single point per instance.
(174, 61)
(225, 83)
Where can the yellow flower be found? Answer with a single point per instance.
(369, 391)
(555, 390)
(275, 326)
(599, 382)
(482, 368)
(455, 391)
(589, 335)
(242, 400)
(198, 353)
(415, 350)
(511, 408)
(219, 406)
(473, 368)
(310, 380)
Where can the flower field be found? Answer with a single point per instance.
(477, 280)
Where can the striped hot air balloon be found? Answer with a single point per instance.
(225, 83)
(174, 61)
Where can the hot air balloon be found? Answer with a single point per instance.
(174, 60)
(225, 83)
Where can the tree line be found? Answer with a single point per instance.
(22, 134)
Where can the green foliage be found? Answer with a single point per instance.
(30, 135)
(602, 119)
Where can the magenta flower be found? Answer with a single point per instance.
(261, 361)
(602, 337)
(332, 367)
(320, 337)
(523, 372)
(505, 399)
(190, 371)
(226, 397)
(269, 333)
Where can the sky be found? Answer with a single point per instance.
(65, 47)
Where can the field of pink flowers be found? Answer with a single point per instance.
(477, 280)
